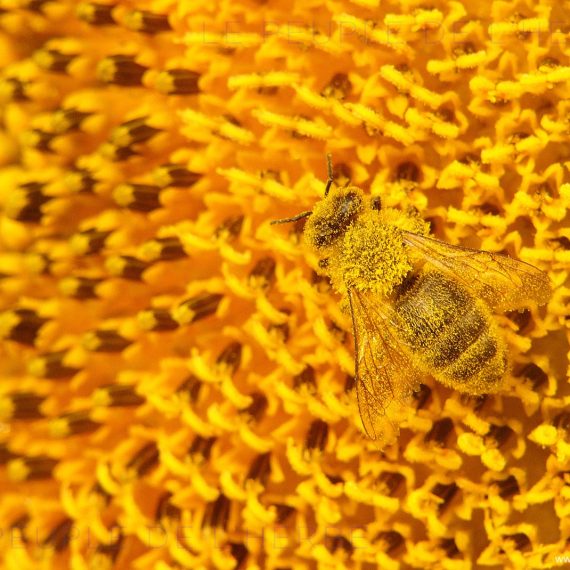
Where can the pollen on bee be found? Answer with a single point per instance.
(373, 259)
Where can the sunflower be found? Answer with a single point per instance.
(177, 378)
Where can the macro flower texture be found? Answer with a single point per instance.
(177, 375)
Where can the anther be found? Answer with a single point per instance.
(21, 406)
(31, 468)
(53, 60)
(121, 70)
(96, 14)
(89, 241)
(60, 537)
(201, 449)
(260, 469)
(390, 539)
(144, 460)
(117, 395)
(157, 320)
(339, 87)
(439, 432)
(138, 197)
(165, 509)
(254, 412)
(229, 359)
(105, 340)
(68, 120)
(79, 287)
(389, 482)
(178, 82)
(74, 423)
(445, 493)
(176, 176)
(21, 325)
(196, 308)
(217, 514)
(507, 487)
(307, 379)
(51, 365)
(317, 436)
(80, 180)
(26, 203)
(126, 266)
(163, 249)
(262, 275)
(229, 229)
(147, 22)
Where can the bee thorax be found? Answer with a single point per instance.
(373, 257)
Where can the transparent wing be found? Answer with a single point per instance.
(386, 376)
(502, 282)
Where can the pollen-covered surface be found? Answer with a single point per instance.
(451, 334)
(177, 382)
(373, 258)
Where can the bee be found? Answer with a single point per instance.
(419, 306)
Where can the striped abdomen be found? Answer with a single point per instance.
(451, 332)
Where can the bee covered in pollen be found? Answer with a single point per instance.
(419, 306)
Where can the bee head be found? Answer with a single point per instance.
(333, 216)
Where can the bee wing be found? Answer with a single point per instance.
(502, 282)
(386, 376)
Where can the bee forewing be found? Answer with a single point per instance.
(386, 375)
(502, 282)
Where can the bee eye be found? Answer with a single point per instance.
(343, 212)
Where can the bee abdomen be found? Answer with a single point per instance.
(457, 338)
(481, 368)
(428, 304)
(472, 361)
(451, 332)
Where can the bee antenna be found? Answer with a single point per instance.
(306, 214)
(293, 219)
(330, 174)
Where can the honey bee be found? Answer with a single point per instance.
(419, 306)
